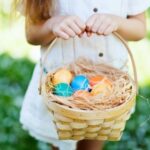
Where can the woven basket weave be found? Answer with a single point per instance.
(103, 125)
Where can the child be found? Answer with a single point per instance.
(71, 21)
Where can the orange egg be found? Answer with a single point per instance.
(82, 93)
(96, 79)
(62, 76)
(103, 87)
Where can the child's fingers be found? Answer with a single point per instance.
(96, 25)
(89, 33)
(68, 31)
(108, 30)
(80, 23)
(103, 27)
(63, 35)
(90, 22)
(81, 34)
(75, 28)
(115, 27)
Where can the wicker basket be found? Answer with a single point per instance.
(103, 125)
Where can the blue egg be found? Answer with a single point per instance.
(63, 89)
(80, 82)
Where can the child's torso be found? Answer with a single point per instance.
(85, 8)
(104, 49)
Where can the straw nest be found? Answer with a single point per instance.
(123, 87)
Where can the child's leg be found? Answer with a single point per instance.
(55, 148)
(89, 145)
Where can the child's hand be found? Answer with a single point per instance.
(66, 26)
(102, 24)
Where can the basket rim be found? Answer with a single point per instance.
(91, 114)
(91, 111)
(88, 114)
(133, 94)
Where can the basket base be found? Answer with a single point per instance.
(93, 136)
(79, 130)
(70, 127)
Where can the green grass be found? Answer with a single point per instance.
(137, 132)
(14, 79)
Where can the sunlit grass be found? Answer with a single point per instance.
(141, 52)
(12, 41)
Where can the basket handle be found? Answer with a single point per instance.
(116, 35)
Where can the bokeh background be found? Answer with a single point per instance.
(17, 61)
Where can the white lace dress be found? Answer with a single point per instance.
(34, 115)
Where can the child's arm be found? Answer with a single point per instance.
(44, 32)
(133, 28)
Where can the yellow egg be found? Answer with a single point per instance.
(62, 76)
(104, 87)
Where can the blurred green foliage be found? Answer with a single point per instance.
(15, 75)
(14, 79)
(137, 132)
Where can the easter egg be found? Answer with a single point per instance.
(104, 87)
(63, 89)
(62, 76)
(82, 93)
(95, 80)
(80, 82)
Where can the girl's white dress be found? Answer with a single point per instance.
(34, 115)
